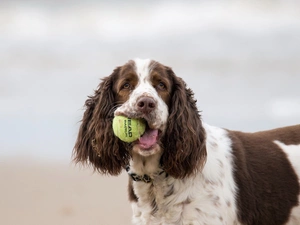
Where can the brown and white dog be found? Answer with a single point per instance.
(183, 171)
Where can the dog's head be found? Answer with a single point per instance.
(149, 90)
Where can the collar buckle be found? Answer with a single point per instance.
(145, 178)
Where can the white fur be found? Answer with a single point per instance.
(144, 88)
(211, 193)
(293, 153)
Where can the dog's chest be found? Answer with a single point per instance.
(208, 197)
(188, 201)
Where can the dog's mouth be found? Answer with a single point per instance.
(149, 139)
(147, 144)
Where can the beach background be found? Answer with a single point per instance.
(241, 58)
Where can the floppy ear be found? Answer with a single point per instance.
(184, 140)
(96, 143)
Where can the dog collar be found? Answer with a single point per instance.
(144, 178)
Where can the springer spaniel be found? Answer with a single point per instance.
(182, 171)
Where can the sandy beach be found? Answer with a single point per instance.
(35, 193)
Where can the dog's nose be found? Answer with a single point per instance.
(146, 105)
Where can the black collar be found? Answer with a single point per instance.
(145, 178)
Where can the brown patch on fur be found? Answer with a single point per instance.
(184, 140)
(216, 200)
(154, 206)
(152, 199)
(268, 185)
(160, 81)
(198, 210)
(228, 203)
(184, 203)
(170, 192)
(221, 164)
(126, 82)
(96, 145)
(187, 201)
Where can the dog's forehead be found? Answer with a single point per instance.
(142, 67)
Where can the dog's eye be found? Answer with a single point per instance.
(126, 86)
(161, 86)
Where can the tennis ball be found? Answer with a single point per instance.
(127, 129)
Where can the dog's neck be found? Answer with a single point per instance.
(145, 165)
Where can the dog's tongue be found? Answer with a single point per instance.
(149, 138)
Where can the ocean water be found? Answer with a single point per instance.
(241, 58)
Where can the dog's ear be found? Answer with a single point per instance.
(184, 140)
(96, 144)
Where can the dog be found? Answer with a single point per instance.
(183, 171)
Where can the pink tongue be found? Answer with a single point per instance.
(149, 138)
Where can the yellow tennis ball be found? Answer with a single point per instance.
(127, 129)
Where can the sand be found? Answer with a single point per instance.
(37, 193)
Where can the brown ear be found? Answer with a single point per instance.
(184, 140)
(96, 144)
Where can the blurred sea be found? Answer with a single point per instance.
(241, 58)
